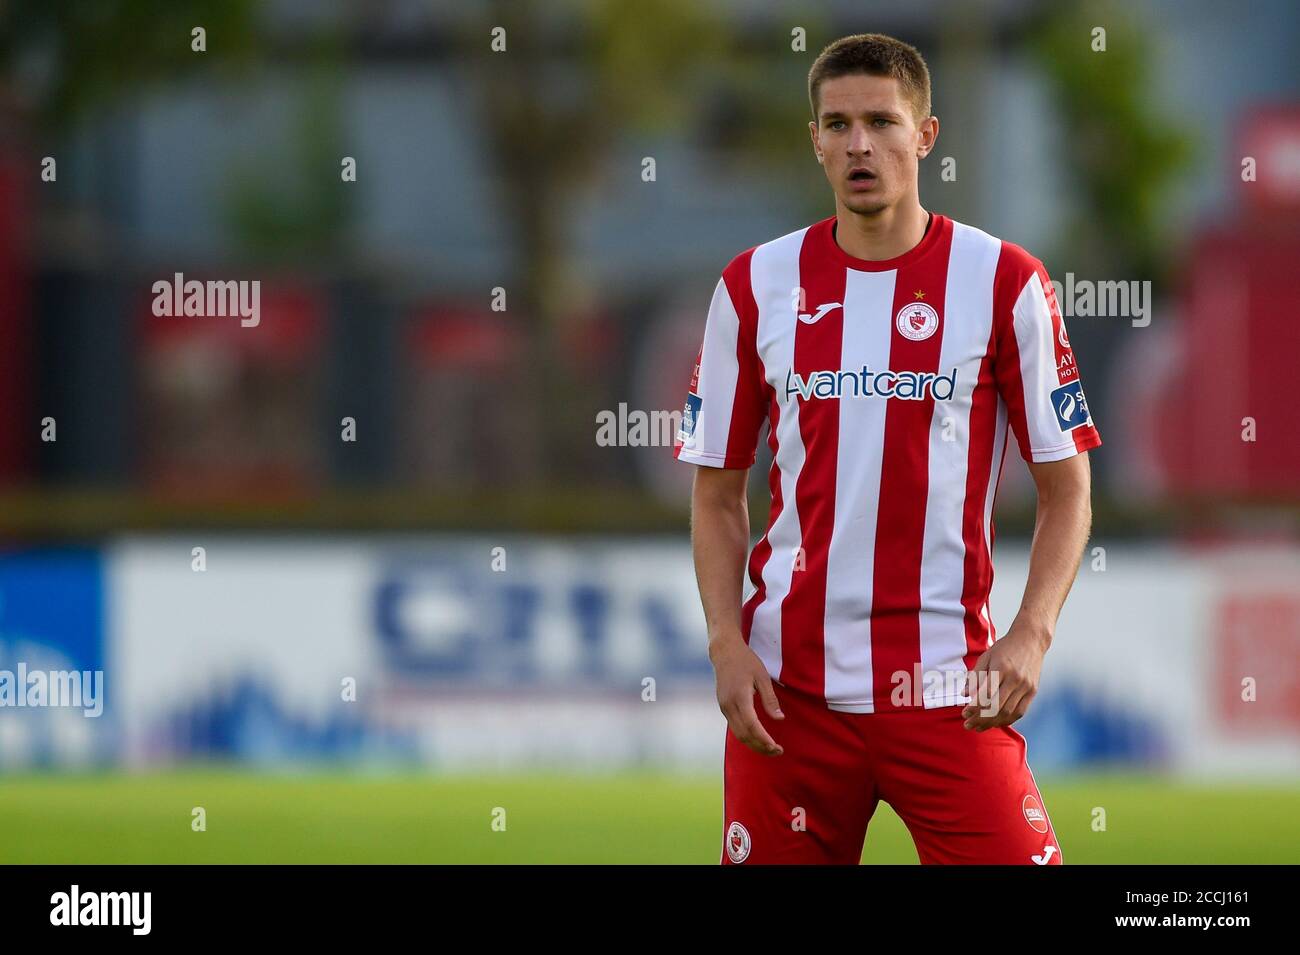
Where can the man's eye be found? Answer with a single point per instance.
(881, 121)
(836, 124)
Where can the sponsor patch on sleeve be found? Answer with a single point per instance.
(690, 415)
(1071, 407)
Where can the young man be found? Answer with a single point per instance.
(889, 349)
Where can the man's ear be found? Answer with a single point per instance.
(812, 133)
(925, 148)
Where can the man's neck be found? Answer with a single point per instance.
(884, 235)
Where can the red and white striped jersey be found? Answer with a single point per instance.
(888, 387)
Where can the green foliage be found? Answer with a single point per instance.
(73, 57)
(288, 218)
(1123, 153)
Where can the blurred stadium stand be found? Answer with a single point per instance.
(226, 164)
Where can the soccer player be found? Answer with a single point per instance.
(890, 349)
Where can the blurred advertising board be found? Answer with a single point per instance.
(447, 653)
(55, 708)
(490, 653)
(484, 652)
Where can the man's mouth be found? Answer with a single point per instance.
(862, 178)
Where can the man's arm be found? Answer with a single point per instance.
(719, 540)
(1061, 527)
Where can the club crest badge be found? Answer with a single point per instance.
(737, 843)
(917, 321)
(1034, 814)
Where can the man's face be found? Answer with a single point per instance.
(868, 141)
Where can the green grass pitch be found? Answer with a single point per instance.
(338, 818)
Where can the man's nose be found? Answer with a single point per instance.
(860, 140)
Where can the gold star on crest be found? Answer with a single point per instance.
(919, 294)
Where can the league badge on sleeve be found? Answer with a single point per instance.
(690, 415)
(1071, 407)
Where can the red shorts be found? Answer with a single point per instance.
(966, 797)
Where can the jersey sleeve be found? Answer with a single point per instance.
(1034, 366)
(727, 401)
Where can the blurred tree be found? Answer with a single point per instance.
(577, 79)
(1124, 154)
(302, 219)
(61, 59)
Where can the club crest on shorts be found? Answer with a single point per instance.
(917, 321)
(737, 843)
(1034, 814)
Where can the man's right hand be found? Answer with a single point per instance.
(740, 674)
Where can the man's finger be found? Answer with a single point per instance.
(979, 687)
(768, 695)
(1022, 706)
(979, 717)
(1005, 714)
(755, 735)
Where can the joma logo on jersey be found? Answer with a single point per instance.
(816, 316)
(909, 385)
